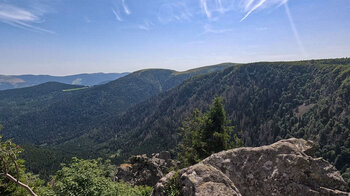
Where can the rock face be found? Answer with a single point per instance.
(142, 170)
(283, 168)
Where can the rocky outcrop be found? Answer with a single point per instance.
(143, 170)
(283, 168)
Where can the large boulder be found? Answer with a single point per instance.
(283, 168)
(143, 170)
(198, 179)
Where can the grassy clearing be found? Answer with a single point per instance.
(75, 89)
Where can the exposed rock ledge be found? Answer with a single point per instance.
(282, 168)
(143, 170)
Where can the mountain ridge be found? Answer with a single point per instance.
(27, 80)
(261, 100)
(265, 101)
(72, 112)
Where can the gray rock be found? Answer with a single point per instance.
(282, 168)
(200, 179)
(143, 170)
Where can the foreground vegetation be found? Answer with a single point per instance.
(201, 136)
(79, 177)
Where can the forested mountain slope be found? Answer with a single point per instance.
(266, 101)
(15, 102)
(35, 91)
(67, 114)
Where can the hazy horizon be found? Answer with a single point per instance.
(61, 37)
(191, 67)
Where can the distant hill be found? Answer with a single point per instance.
(40, 119)
(62, 115)
(35, 91)
(20, 81)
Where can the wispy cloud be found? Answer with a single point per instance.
(249, 6)
(209, 29)
(174, 11)
(254, 7)
(146, 26)
(216, 7)
(117, 16)
(21, 18)
(204, 6)
(126, 8)
(295, 31)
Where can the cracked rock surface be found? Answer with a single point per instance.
(283, 168)
(143, 170)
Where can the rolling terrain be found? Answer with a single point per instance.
(264, 101)
(21, 81)
(68, 114)
(142, 112)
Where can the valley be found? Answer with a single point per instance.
(141, 113)
(174, 98)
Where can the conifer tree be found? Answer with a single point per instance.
(205, 134)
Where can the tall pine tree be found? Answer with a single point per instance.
(205, 134)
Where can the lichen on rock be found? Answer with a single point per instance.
(283, 168)
(144, 170)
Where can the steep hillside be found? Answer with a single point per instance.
(266, 101)
(16, 102)
(20, 81)
(70, 113)
(35, 91)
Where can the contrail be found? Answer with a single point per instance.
(126, 9)
(290, 18)
(205, 8)
(295, 31)
(248, 4)
(117, 15)
(253, 9)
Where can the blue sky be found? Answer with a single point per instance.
(62, 37)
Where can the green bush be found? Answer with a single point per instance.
(173, 187)
(92, 178)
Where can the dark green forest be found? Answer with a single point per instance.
(142, 112)
(48, 114)
(44, 116)
(265, 101)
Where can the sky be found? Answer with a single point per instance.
(62, 37)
